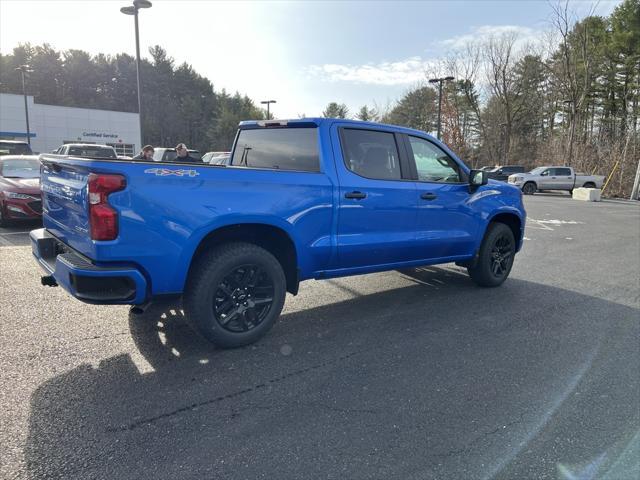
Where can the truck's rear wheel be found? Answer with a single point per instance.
(235, 294)
(529, 188)
(589, 185)
(495, 258)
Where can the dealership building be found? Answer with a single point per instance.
(51, 126)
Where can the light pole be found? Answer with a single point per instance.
(440, 81)
(133, 10)
(267, 103)
(24, 69)
(572, 116)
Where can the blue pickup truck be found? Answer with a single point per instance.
(299, 199)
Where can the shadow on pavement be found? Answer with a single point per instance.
(17, 233)
(436, 380)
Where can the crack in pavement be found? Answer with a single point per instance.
(469, 446)
(221, 398)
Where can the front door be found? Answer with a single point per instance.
(377, 206)
(447, 226)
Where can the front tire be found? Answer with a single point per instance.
(529, 188)
(495, 258)
(235, 294)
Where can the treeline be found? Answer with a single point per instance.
(570, 99)
(179, 105)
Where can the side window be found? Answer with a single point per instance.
(433, 164)
(563, 172)
(371, 154)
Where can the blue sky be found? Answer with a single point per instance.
(302, 54)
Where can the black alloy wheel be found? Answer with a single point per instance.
(243, 298)
(234, 294)
(502, 255)
(495, 257)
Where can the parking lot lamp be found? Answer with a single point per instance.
(267, 103)
(24, 69)
(133, 10)
(440, 81)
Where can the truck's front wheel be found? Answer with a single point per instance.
(495, 258)
(235, 294)
(529, 188)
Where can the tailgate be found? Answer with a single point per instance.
(65, 205)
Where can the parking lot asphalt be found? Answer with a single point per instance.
(411, 375)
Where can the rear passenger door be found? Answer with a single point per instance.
(564, 179)
(377, 199)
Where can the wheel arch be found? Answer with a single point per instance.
(270, 237)
(510, 219)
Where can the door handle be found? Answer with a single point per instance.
(355, 195)
(428, 196)
(553, 178)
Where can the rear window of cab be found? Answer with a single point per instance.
(294, 149)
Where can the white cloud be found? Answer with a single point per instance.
(412, 70)
(402, 72)
(525, 35)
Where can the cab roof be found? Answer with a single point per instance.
(317, 121)
(88, 145)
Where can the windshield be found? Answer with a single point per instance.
(537, 171)
(23, 168)
(10, 148)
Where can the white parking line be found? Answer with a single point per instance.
(14, 233)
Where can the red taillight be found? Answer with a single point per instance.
(103, 218)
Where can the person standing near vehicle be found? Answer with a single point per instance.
(145, 154)
(183, 154)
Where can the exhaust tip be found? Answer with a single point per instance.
(139, 309)
(48, 281)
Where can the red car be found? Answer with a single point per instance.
(20, 197)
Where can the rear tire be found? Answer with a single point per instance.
(235, 294)
(589, 185)
(3, 221)
(529, 188)
(495, 258)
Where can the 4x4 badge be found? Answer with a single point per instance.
(164, 172)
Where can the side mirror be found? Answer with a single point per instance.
(477, 178)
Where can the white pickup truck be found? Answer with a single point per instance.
(554, 178)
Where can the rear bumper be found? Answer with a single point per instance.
(84, 280)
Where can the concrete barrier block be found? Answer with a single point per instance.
(587, 194)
